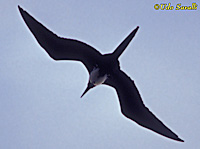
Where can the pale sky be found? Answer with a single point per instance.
(40, 104)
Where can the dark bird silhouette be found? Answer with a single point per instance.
(103, 69)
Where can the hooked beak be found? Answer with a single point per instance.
(90, 85)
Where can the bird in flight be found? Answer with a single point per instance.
(102, 69)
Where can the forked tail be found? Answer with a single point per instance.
(120, 49)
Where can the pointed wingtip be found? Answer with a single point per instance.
(137, 28)
(19, 7)
(120, 49)
(180, 140)
(134, 31)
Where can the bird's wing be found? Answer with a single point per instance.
(120, 49)
(133, 107)
(61, 48)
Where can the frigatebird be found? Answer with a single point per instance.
(102, 69)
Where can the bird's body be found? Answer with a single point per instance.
(103, 69)
(96, 78)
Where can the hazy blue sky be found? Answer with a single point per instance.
(40, 104)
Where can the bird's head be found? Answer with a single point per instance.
(94, 80)
(89, 86)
